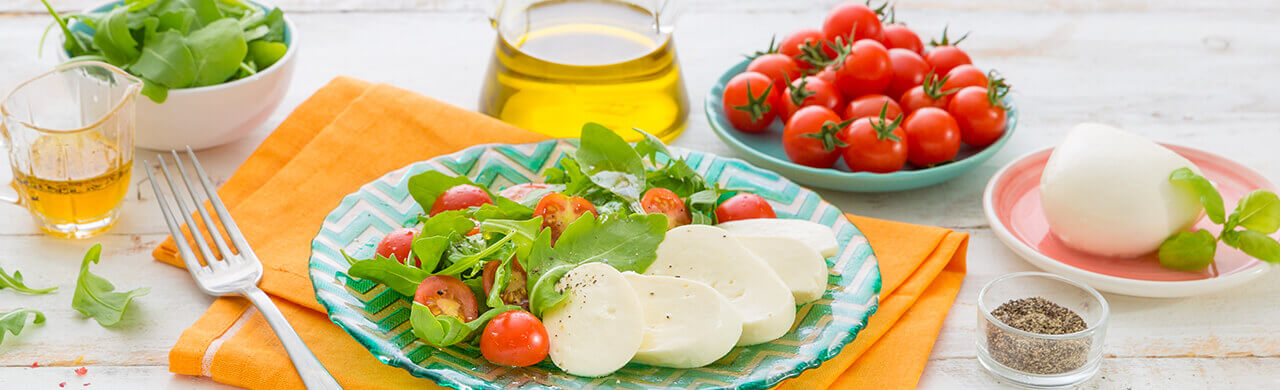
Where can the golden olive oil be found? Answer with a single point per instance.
(559, 64)
(73, 179)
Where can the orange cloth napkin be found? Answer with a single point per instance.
(346, 135)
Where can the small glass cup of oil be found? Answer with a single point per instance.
(558, 64)
(69, 134)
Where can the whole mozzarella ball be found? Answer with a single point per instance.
(1107, 192)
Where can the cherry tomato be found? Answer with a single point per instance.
(519, 191)
(854, 19)
(397, 245)
(897, 36)
(980, 115)
(875, 144)
(866, 70)
(908, 71)
(748, 101)
(808, 47)
(810, 137)
(460, 197)
(558, 211)
(945, 55)
(663, 201)
(929, 94)
(810, 91)
(446, 295)
(827, 74)
(744, 206)
(779, 67)
(933, 137)
(517, 290)
(869, 107)
(515, 338)
(964, 76)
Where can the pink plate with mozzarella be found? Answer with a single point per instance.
(1012, 204)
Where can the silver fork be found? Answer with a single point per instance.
(234, 274)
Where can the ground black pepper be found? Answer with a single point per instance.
(1032, 355)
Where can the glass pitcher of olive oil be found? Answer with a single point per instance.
(558, 64)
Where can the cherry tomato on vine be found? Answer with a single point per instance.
(850, 22)
(909, 70)
(558, 211)
(779, 67)
(808, 47)
(865, 70)
(460, 197)
(810, 91)
(744, 206)
(929, 94)
(517, 290)
(515, 338)
(810, 137)
(664, 201)
(875, 144)
(869, 106)
(980, 114)
(945, 55)
(397, 245)
(897, 36)
(827, 74)
(749, 100)
(446, 295)
(964, 76)
(933, 137)
(519, 191)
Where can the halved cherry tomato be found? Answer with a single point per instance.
(744, 206)
(932, 137)
(446, 295)
(897, 36)
(945, 55)
(664, 201)
(397, 245)
(810, 91)
(750, 101)
(876, 144)
(810, 137)
(866, 70)
(515, 338)
(558, 211)
(869, 107)
(980, 115)
(808, 47)
(460, 197)
(929, 94)
(964, 76)
(517, 290)
(519, 191)
(908, 71)
(779, 67)
(851, 22)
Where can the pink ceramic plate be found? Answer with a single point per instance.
(1012, 205)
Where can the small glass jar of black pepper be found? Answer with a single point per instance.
(1041, 330)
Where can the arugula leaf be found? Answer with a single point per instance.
(443, 331)
(166, 62)
(1188, 180)
(265, 53)
(14, 320)
(206, 11)
(114, 39)
(396, 276)
(218, 49)
(96, 297)
(702, 206)
(628, 244)
(1256, 244)
(1259, 210)
(15, 282)
(501, 278)
(437, 235)
(611, 163)
(463, 261)
(76, 45)
(425, 187)
(523, 233)
(1187, 251)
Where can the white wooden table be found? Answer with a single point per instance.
(1200, 73)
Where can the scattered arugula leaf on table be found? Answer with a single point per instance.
(1258, 213)
(96, 297)
(628, 244)
(14, 320)
(15, 282)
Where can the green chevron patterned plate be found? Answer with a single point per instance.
(378, 317)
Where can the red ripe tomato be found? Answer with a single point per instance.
(851, 22)
(980, 114)
(515, 338)
(446, 295)
(933, 137)
(964, 76)
(397, 245)
(810, 137)
(875, 145)
(810, 91)
(748, 101)
(897, 36)
(909, 70)
(945, 55)
(663, 201)
(558, 211)
(869, 107)
(779, 67)
(744, 206)
(827, 74)
(929, 94)
(519, 191)
(808, 47)
(460, 197)
(517, 290)
(866, 70)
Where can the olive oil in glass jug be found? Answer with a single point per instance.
(558, 64)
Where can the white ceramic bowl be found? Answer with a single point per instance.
(213, 115)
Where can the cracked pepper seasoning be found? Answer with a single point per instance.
(1035, 355)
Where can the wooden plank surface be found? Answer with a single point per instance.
(1198, 73)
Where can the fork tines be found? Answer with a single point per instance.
(237, 240)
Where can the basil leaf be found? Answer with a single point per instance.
(15, 282)
(14, 320)
(1258, 211)
(96, 297)
(1258, 245)
(627, 243)
(396, 276)
(1188, 180)
(443, 331)
(1187, 251)
(427, 186)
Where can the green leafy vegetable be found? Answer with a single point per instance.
(218, 49)
(437, 235)
(14, 320)
(611, 163)
(1187, 251)
(396, 276)
(96, 297)
(1258, 213)
(1256, 244)
(15, 282)
(427, 186)
(443, 331)
(628, 244)
(523, 233)
(1209, 196)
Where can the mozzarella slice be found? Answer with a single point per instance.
(599, 327)
(710, 255)
(817, 236)
(799, 266)
(686, 323)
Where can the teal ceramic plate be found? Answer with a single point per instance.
(765, 149)
(378, 317)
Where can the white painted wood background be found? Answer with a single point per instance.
(1199, 73)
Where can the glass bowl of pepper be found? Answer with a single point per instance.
(1041, 330)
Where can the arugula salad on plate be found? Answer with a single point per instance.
(622, 254)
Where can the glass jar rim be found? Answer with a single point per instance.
(130, 92)
(1088, 331)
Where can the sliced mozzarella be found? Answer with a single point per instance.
(686, 323)
(710, 255)
(800, 267)
(817, 236)
(599, 327)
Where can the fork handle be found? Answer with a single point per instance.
(313, 374)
